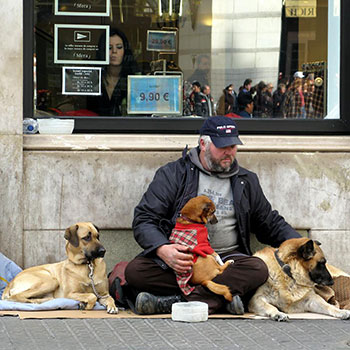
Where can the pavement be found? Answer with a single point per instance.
(164, 334)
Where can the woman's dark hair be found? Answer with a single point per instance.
(129, 65)
(247, 82)
(261, 86)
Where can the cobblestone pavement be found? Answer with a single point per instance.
(164, 334)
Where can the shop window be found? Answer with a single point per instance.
(164, 65)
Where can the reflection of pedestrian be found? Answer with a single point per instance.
(246, 89)
(206, 91)
(294, 103)
(278, 98)
(227, 102)
(308, 91)
(267, 102)
(258, 99)
(200, 103)
(201, 74)
(246, 107)
(114, 77)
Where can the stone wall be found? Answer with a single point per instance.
(11, 116)
(50, 182)
(101, 178)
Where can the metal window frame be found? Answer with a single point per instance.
(183, 125)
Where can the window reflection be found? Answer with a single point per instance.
(242, 58)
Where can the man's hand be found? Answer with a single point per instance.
(176, 256)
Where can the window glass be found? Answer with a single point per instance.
(187, 58)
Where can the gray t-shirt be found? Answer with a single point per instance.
(223, 235)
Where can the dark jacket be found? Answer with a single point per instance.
(177, 182)
(227, 103)
(266, 105)
(240, 98)
(201, 104)
(244, 114)
(278, 99)
(104, 106)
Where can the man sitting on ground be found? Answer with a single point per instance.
(210, 169)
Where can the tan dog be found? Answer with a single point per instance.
(198, 211)
(81, 277)
(295, 268)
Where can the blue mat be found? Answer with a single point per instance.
(55, 304)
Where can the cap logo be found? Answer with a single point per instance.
(226, 128)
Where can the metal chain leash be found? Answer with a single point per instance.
(91, 274)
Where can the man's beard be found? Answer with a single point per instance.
(213, 164)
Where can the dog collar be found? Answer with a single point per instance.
(285, 267)
(190, 220)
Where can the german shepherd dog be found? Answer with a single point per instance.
(81, 277)
(295, 268)
(207, 263)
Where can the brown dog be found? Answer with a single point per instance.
(81, 277)
(295, 268)
(190, 230)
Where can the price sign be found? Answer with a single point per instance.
(161, 40)
(81, 81)
(154, 94)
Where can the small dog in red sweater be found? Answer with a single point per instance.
(190, 231)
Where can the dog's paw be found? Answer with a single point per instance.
(112, 310)
(280, 317)
(345, 314)
(82, 306)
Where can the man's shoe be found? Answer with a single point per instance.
(147, 303)
(236, 306)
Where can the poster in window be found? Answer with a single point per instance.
(161, 41)
(81, 81)
(155, 94)
(81, 44)
(82, 7)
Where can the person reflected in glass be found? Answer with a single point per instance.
(278, 99)
(309, 95)
(258, 99)
(246, 107)
(294, 103)
(267, 102)
(199, 101)
(227, 102)
(113, 98)
(201, 74)
(244, 90)
(207, 92)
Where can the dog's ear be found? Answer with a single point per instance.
(307, 251)
(71, 235)
(97, 229)
(205, 211)
(317, 242)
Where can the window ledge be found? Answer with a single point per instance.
(163, 142)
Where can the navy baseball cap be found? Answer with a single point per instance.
(222, 130)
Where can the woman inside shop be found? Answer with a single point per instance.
(122, 63)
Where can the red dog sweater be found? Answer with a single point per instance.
(194, 236)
